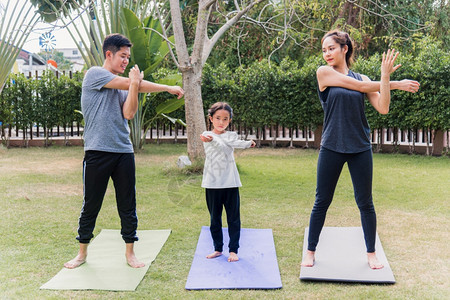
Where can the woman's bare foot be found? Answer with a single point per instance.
(214, 254)
(373, 261)
(308, 260)
(76, 262)
(131, 257)
(233, 257)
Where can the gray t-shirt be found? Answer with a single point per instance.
(105, 127)
(345, 127)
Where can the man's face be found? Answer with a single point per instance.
(119, 60)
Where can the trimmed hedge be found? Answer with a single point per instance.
(261, 94)
(46, 102)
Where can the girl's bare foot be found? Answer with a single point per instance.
(308, 260)
(214, 254)
(76, 262)
(373, 261)
(233, 257)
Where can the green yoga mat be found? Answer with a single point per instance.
(106, 267)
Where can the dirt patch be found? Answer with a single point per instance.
(31, 192)
(48, 166)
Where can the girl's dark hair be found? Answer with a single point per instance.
(218, 106)
(343, 39)
(113, 42)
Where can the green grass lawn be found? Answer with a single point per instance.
(41, 197)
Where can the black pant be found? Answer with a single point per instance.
(216, 199)
(98, 167)
(329, 168)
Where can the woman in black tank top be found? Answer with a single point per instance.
(346, 134)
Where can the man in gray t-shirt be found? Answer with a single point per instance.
(108, 101)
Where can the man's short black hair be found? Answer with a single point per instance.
(113, 42)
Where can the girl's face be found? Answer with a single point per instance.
(220, 120)
(333, 53)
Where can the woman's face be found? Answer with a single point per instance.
(333, 53)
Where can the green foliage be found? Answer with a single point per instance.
(430, 107)
(159, 105)
(286, 94)
(263, 95)
(16, 24)
(23, 99)
(148, 52)
(374, 25)
(50, 10)
(47, 102)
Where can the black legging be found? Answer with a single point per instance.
(216, 199)
(329, 168)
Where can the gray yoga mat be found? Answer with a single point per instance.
(106, 267)
(341, 256)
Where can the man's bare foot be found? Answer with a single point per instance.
(233, 257)
(373, 261)
(131, 257)
(308, 260)
(214, 254)
(133, 261)
(76, 262)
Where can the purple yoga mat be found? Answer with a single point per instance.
(257, 267)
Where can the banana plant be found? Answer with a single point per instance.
(148, 51)
(95, 20)
(100, 18)
(17, 22)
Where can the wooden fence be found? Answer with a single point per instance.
(384, 140)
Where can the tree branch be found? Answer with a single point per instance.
(180, 40)
(164, 36)
(201, 37)
(209, 43)
(389, 14)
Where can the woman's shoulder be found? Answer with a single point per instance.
(324, 70)
(356, 75)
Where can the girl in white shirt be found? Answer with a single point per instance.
(221, 178)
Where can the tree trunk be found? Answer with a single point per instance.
(195, 116)
(291, 134)
(448, 142)
(306, 129)
(433, 136)
(427, 141)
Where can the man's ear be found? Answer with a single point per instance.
(108, 54)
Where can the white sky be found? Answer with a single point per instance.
(63, 39)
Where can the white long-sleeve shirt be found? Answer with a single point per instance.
(220, 169)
